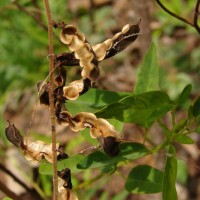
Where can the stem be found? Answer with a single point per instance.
(51, 99)
(196, 15)
(173, 14)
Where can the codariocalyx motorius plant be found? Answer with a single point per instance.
(88, 58)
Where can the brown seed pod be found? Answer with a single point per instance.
(65, 186)
(33, 150)
(14, 136)
(43, 93)
(118, 43)
(110, 145)
(72, 91)
(77, 43)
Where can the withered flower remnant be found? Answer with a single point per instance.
(14, 136)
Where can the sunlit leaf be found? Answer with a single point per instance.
(183, 139)
(148, 77)
(184, 95)
(144, 179)
(93, 100)
(141, 109)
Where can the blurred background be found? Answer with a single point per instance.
(24, 62)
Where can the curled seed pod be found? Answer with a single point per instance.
(83, 120)
(103, 129)
(82, 51)
(65, 186)
(43, 92)
(58, 80)
(72, 91)
(67, 59)
(35, 151)
(14, 136)
(64, 118)
(110, 145)
(65, 175)
(118, 43)
(67, 34)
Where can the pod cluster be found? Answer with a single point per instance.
(88, 57)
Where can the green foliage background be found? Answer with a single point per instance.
(166, 80)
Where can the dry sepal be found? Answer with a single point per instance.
(33, 151)
(65, 186)
(99, 128)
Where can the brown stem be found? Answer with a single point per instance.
(173, 14)
(196, 15)
(51, 99)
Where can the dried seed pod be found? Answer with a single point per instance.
(14, 136)
(62, 155)
(64, 118)
(67, 34)
(72, 91)
(65, 186)
(103, 129)
(58, 80)
(43, 92)
(82, 51)
(118, 43)
(83, 120)
(33, 150)
(110, 145)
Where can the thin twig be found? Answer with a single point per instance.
(196, 15)
(174, 14)
(21, 8)
(51, 99)
(8, 172)
(8, 192)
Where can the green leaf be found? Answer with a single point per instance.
(169, 178)
(184, 95)
(144, 179)
(196, 107)
(7, 198)
(180, 125)
(93, 100)
(71, 162)
(183, 139)
(5, 2)
(141, 109)
(148, 77)
(128, 151)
